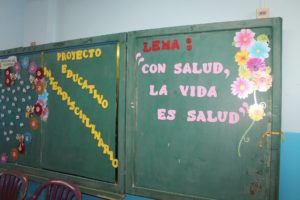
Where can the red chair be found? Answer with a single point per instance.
(57, 190)
(13, 185)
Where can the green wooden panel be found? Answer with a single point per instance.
(188, 135)
(13, 102)
(77, 151)
(64, 146)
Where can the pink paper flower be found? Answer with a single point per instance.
(242, 87)
(255, 65)
(17, 67)
(262, 81)
(4, 158)
(45, 114)
(32, 67)
(244, 38)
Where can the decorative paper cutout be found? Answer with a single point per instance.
(25, 62)
(21, 146)
(38, 109)
(7, 62)
(32, 67)
(14, 154)
(83, 83)
(254, 75)
(17, 67)
(40, 87)
(27, 138)
(4, 158)
(33, 123)
(39, 73)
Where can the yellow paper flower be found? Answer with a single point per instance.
(244, 72)
(241, 57)
(256, 112)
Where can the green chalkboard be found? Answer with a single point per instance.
(16, 94)
(76, 150)
(77, 119)
(202, 104)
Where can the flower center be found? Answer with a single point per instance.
(242, 87)
(245, 39)
(257, 50)
(255, 67)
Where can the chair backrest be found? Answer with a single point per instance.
(57, 190)
(13, 185)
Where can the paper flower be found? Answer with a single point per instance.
(263, 38)
(25, 62)
(241, 57)
(242, 87)
(8, 81)
(27, 137)
(7, 72)
(38, 109)
(4, 158)
(39, 74)
(262, 81)
(244, 38)
(45, 114)
(256, 112)
(14, 154)
(255, 65)
(32, 67)
(39, 87)
(44, 96)
(259, 50)
(244, 72)
(21, 148)
(33, 123)
(17, 67)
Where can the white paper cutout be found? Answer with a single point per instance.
(2, 97)
(8, 89)
(1, 85)
(11, 123)
(11, 132)
(27, 87)
(22, 82)
(7, 139)
(15, 99)
(3, 90)
(13, 104)
(24, 90)
(29, 97)
(9, 111)
(4, 133)
(23, 100)
(2, 115)
(21, 124)
(19, 109)
(7, 99)
(3, 107)
(18, 88)
(17, 117)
